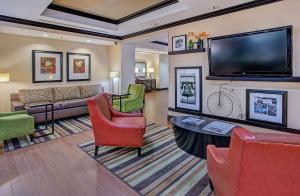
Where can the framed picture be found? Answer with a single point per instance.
(78, 67)
(179, 43)
(47, 66)
(140, 69)
(267, 106)
(188, 88)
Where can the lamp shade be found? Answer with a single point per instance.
(151, 70)
(114, 74)
(4, 77)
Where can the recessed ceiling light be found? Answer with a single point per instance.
(45, 35)
(88, 40)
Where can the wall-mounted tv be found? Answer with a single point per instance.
(266, 53)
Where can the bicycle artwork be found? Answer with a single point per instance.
(225, 103)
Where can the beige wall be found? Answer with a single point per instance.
(268, 16)
(152, 60)
(15, 58)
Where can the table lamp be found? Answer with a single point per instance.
(112, 75)
(4, 78)
(151, 71)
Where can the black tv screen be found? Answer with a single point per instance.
(260, 53)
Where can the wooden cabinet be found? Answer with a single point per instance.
(150, 84)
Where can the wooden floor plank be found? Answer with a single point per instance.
(58, 167)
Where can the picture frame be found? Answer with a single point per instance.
(140, 69)
(47, 66)
(179, 43)
(78, 67)
(267, 106)
(188, 89)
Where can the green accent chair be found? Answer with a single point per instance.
(134, 102)
(15, 124)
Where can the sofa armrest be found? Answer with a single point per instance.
(17, 106)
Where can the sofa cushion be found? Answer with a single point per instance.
(41, 109)
(90, 90)
(36, 95)
(73, 103)
(66, 93)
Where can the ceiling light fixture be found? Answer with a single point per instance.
(88, 40)
(45, 35)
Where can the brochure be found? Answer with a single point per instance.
(193, 121)
(221, 128)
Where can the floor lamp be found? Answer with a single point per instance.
(112, 75)
(4, 78)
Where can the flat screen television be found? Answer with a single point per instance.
(266, 53)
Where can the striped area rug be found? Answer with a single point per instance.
(163, 169)
(62, 128)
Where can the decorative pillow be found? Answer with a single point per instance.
(90, 90)
(66, 93)
(36, 95)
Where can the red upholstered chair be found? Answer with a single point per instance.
(256, 164)
(113, 128)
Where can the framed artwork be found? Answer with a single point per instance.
(47, 66)
(140, 69)
(267, 106)
(188, 88)
(78, 67)
(179, 43)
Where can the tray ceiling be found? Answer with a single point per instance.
(113, 9)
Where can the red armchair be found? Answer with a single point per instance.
(256, 164)
(113, 128)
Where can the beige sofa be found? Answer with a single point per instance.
(67, 101)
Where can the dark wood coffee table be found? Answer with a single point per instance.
(193, 139)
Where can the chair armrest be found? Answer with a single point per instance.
(3, 114)
(215, 154)
(17, 105)
(116, 113)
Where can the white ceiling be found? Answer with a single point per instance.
(36, 10)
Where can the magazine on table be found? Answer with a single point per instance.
(193, 121)
(221, 128)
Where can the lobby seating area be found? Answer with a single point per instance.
(149, 97)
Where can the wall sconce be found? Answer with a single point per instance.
(4, 77)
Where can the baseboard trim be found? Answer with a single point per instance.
(245, 122)
(161, 89)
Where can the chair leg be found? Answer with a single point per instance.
(31, 137)
(211, 185)
(139, 151)
(96, 150)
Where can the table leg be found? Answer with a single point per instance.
(120, 104)
(52, 118)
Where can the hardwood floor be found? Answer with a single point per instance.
(60, 168)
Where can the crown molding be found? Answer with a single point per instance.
(55, 27)
(229, 10)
